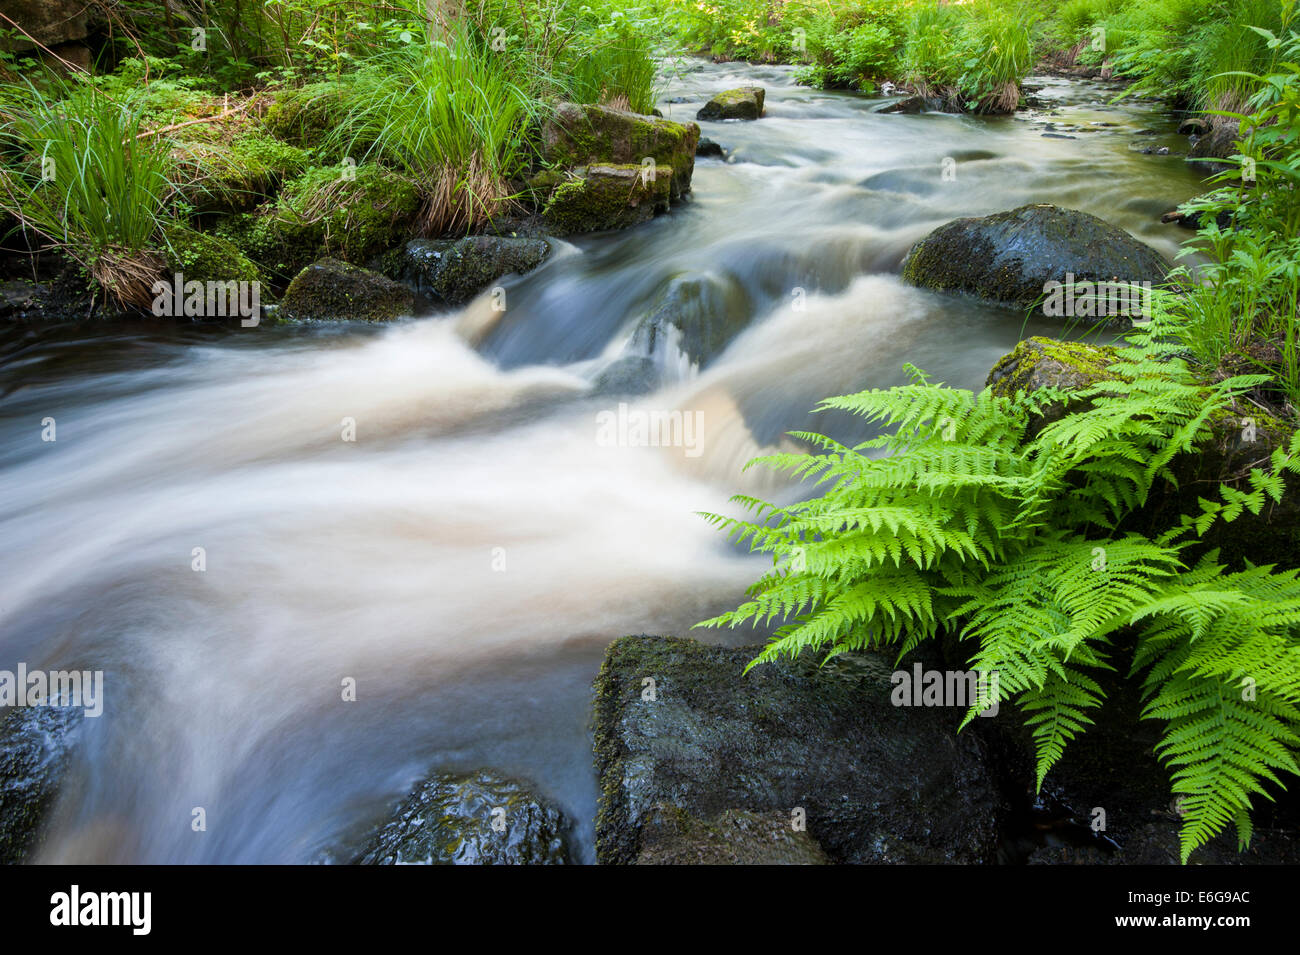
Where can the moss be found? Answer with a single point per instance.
(1041, 362)
(331, 290)
(323, 213)
(205, 257)
(579, 136)
(236, 175)
(745, 102)
(606, 197)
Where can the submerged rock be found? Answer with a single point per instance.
(670, 836)
(453, 271)
(601, 197)
(629, 375)
(744, 102)
(707, 147)
(696, 316)
(1011, 257)
(35, 745)
(329, 290)
(475, 819)
(875, 782)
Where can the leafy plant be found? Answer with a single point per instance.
(972, 524)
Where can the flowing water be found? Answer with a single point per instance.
(469, 555)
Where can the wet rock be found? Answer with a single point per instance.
(707, 147)
(629, 375)
(35, 747)
(600, 197)
(670, 836)
(453, 271)
(1218, 142)
(915, 104)
(744, 102)
(580, 136)
(330, 290)
(697, 316)
(1009, 257)
(878, 783)
(475, 819)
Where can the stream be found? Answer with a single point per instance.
(469, 556)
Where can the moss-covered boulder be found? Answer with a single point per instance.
(1014, 257)
(671, 836)
(601, 197)
(237, 174)
(206, 257)
(744, 102)
(475, 819)
(348, 213)
(453, 271)
(329, 290)
(824, 748)
(577, 136)
(309, 117)
(36, 744)
(1239, 439)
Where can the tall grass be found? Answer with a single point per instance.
(81, 171)
(449, 112)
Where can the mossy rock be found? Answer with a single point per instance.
(330, 290)
(205, 257)
(235, 175)
(672, 836)
(1241, 437)
(877, 783)
(577, 136)
(744, 102)
(453, 271)
(353, 214)
(601, 197)
(1011, 257)
(474, 819)
(309, 117)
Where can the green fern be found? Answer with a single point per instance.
(954, 520)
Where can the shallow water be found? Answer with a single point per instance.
(466, 559)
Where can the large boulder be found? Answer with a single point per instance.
(1240, 438)
(671, 836)
(679, 729)
(453, 271)
(599, 197)
(744, 102)
(329, 290)
(475, 819)
(1015, 257)
(35, 747)
(578, 136)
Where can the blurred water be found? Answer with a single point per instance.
(468, 556)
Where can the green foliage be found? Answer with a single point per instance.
(959, 519)
(82, 172)
(1245, 299)
(450, 114)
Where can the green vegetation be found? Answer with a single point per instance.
(85, 176)
(973, 525)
